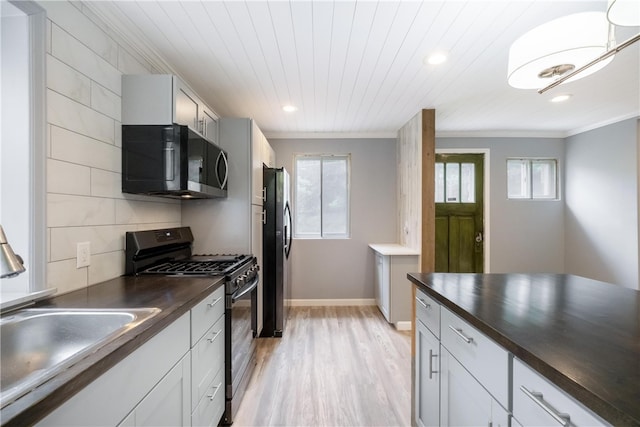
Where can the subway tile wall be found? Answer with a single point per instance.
(84, 200)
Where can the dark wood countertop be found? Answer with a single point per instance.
(174, 296)
(581, 334)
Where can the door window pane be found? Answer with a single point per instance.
(452, 182)
(439, 183)
(467, 183)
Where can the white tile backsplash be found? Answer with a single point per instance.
(64, 276)
(69, 114)
(106, 184)
(84, 138)
(133, 211)
(76, 148)
(69, 18)
(68, 178)
(66, 211)
(103, 266)
(70, 51)
(67, 81)
(106, 102)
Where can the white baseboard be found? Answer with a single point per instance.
(403, 325)
(328, 302)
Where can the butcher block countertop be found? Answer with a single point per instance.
(174, 296)
(581, 334)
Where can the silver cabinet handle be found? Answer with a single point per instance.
(459, 332)
(213, 338)
(431, 356)
(423, 303)
(561, 418)
(214, 392)
(214, 302)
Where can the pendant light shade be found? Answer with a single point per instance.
(558, 47)
(625, 13)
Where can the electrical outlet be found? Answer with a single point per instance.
(83, 254)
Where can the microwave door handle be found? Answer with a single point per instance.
(169, 163)
(222, 156)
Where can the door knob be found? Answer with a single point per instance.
(479, 237)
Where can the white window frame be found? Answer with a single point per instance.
(322, 235)
(529, 184)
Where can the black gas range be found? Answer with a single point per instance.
(169, 252)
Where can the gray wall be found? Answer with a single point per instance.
(525, 236)
(343, 268)
(601, 231)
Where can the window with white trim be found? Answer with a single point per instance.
(321, 196)
(533, 179)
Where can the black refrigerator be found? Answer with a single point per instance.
(276, 251)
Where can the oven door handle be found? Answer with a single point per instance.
(245, 290)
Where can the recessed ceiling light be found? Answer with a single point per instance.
(289, 108)
(561, 98)
(436, 59)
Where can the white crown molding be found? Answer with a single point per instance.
(501, 134)
(602, 124)
(330, 135)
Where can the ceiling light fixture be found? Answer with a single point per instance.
(289, 108)
(625, 13)
(561, 98)
(436, 59)
(556, 48)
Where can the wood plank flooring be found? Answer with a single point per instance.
(335, 366)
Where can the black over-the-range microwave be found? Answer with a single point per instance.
(172, 161)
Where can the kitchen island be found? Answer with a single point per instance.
(173, 296)
(580, 335)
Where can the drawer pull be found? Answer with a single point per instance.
(213, 338)
(459, 332)
(431, 371)
(423, 303)
(214, 302)
(562, 419)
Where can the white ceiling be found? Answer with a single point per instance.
(356, 67)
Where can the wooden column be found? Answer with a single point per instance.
(428, 191)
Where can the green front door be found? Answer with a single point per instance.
(459, 213)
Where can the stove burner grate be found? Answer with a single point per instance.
(193, 267)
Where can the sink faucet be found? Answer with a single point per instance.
(10, 264)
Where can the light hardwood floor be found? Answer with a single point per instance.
(335, 366)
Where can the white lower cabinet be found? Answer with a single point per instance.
(168, 404)
(109, 399)
(463, 401)
(537, 402)
(427, 388)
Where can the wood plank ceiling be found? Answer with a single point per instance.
(358, 67)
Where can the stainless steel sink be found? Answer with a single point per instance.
(37, 344)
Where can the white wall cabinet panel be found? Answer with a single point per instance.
(257, 147)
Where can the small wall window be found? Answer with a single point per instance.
(535, 179)
(321, 196)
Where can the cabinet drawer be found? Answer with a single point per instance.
(207, 358)
(211, 407)
(428, 312)
(482, 357)
(536, 401)
(206, 313)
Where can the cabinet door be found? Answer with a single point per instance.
(257, 140)
(256, 250)
(464, 402)
(168, 403)
(427, 380)
(209, 125)
(186, 106)
(268, 154)
(385, 287)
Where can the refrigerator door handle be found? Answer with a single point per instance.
(288, 238)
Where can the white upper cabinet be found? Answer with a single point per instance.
(162, 99)
(268, 154)
(257, 142)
